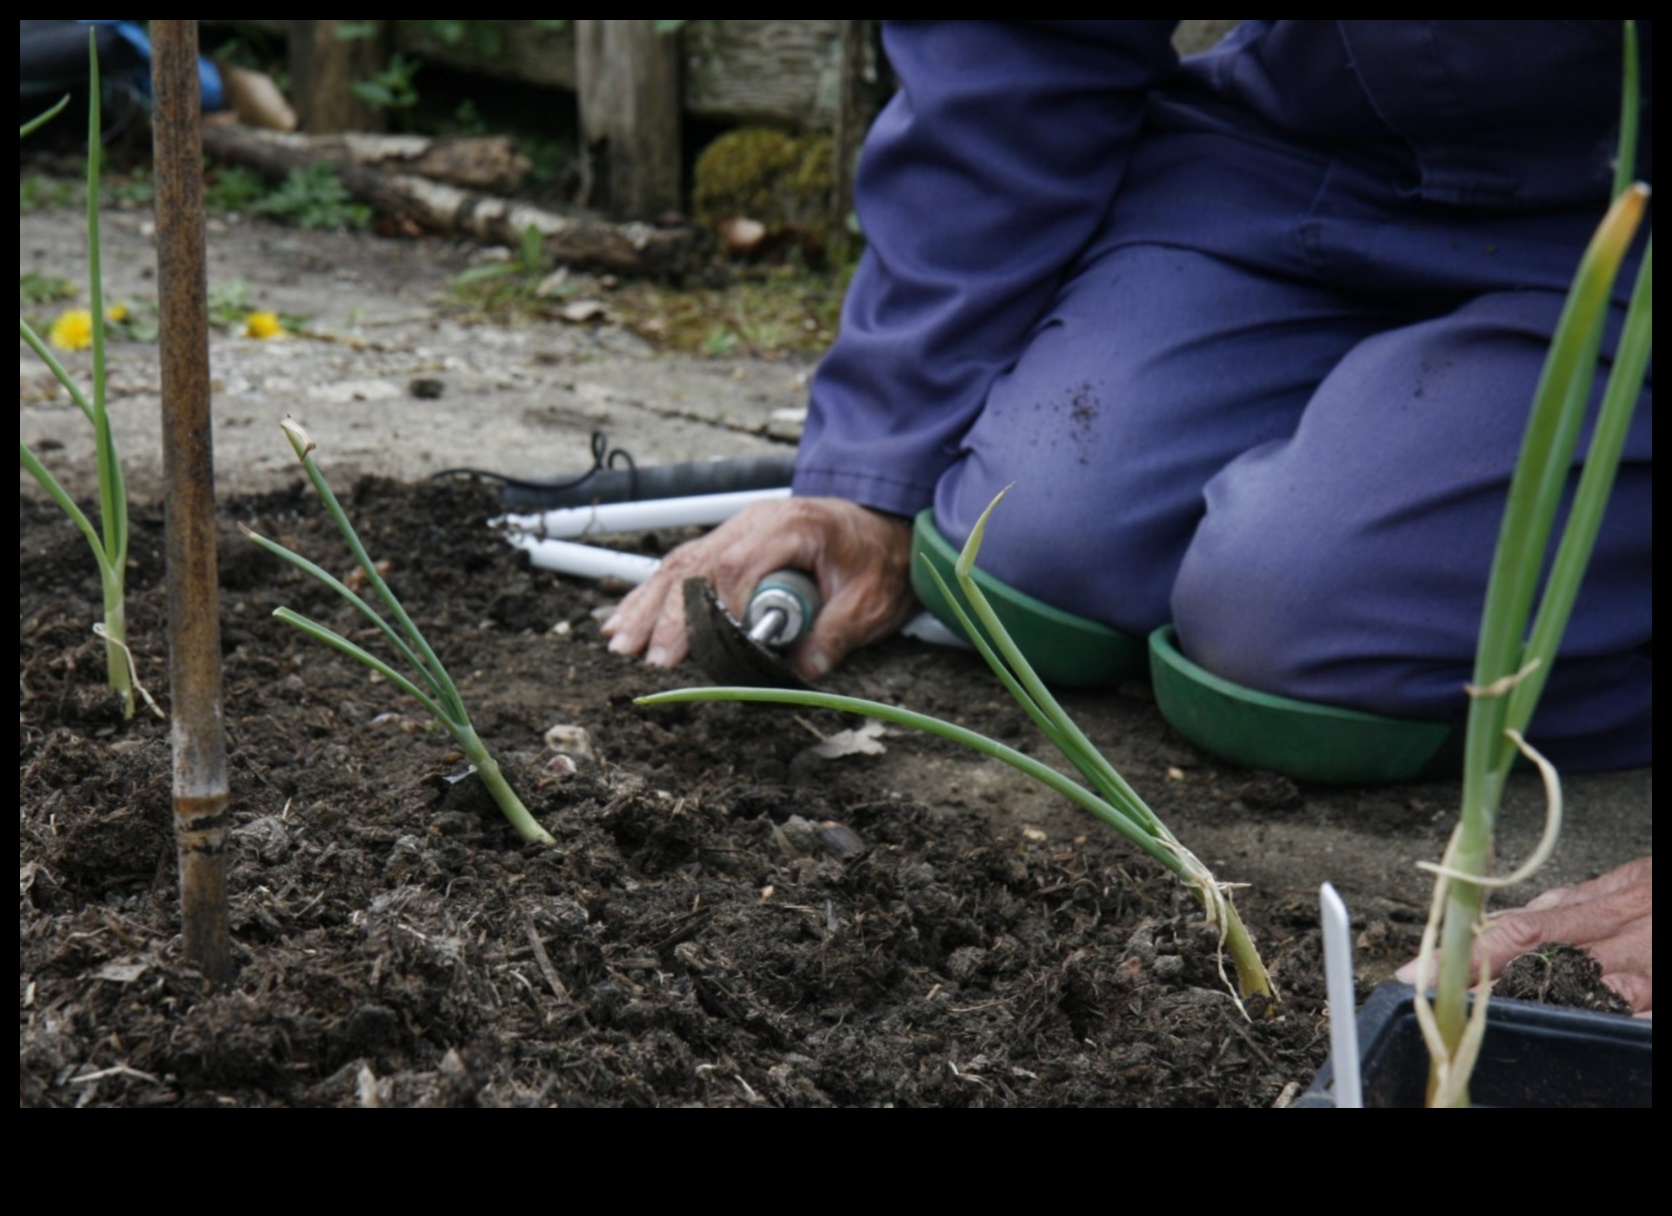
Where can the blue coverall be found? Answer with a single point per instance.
(1254, 336)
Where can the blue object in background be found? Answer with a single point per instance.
(52, 61)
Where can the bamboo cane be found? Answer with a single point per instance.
(201, 796)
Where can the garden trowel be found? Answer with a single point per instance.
(749, 652)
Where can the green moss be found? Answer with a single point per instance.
(780, 180)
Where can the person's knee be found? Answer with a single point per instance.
(1304, 613)
(1073, 545)
(1245, 609)
(1315, 613)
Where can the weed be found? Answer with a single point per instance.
(720, 342)
(551, 158)
(314, 197)
(229, 302)
(466, 120)
(232, 305)
(233, 189)
(132, 321)
(38, 193)
(37, 288)
(393, 87)
(510, 286)
(136, 190)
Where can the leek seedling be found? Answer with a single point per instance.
(1512, 661)
(438, 692)
(109, 541)
(1109, 796)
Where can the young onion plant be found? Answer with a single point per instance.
(1513, 657)
(1106, 794)
(109, 541)
(432, 686)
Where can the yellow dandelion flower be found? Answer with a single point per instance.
(73, 330)
(117, 312)
(263, 325)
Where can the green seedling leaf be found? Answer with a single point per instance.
(433, 687)
(1024, 684)
(109, 541)
(1625, 162)
(335, 584)
(1512, 659)
(40, 120)
(336, 641)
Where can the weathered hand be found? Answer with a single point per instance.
(1611, 916)
(860, 559)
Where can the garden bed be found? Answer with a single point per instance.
(686, 942)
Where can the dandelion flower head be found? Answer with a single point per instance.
(73, 330)
(263, 325)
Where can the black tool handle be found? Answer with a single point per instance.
(654, 481)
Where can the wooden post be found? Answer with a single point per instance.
(628, 79)
(858, 99)
(194, 630)
(323, 69)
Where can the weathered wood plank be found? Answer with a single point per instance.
(323, 67)
(777, 72)
(530, 54)
(764, 71)
(629, 107)
(859, 96)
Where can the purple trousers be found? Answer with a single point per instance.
(1270, 407)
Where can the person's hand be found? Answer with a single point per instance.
(860, 559)
(1612, 917)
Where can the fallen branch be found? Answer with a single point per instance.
(486, 162)
(629, 248)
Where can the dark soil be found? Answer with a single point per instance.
(727, 920)
(1557, 973)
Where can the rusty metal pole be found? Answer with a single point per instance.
(201, 810)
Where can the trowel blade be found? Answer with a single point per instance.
(723, 649)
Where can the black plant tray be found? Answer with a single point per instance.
(1533, 1056)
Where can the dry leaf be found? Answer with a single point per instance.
(861, 741)
(583, 311)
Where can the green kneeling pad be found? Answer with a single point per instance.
(1066, 650)
(1300, 739)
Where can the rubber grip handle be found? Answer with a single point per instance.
(792, 593)
(654, 481)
